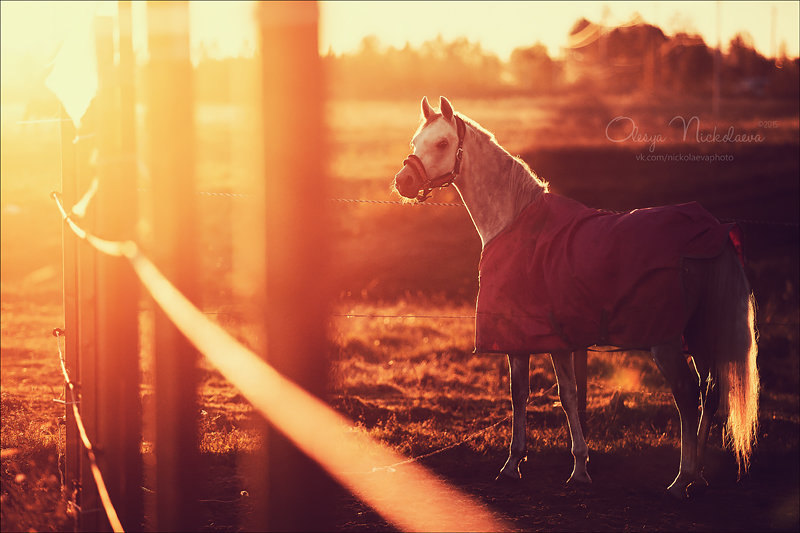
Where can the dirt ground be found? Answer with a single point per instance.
(627, 493)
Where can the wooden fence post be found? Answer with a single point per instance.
(296, 291)
(170, 127)
(118, 406)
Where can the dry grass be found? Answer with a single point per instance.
(414, 383)
(31, 483)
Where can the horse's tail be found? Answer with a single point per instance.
(739, 383)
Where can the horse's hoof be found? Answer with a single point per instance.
(504, 480)
(579, 480)
(678, 492)
(697, 488)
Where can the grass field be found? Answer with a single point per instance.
(414, 383)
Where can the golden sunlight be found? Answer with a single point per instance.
(502, 26)
(273, 332)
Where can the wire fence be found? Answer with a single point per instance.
(402, 203)
(212, 341)
(475, 434)
(349, 455)
(741, 221)
(412, 204)
(105, 499)
(120, 249)
(473, 317)
(372, 201)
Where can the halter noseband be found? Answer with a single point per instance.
(446, 179)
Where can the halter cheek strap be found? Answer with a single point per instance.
(445, 180)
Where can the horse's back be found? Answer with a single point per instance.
(567, 276)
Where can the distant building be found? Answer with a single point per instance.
(623, 60)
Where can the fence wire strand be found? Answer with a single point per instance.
(473, 317)
(102, 491)
(368, 315)
(394, 202)
(469, 437)
(130, 250)
(406, 203)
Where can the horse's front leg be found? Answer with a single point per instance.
(568, 393)
(520, 388)
(579, 363)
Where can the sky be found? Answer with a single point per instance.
(499, 26)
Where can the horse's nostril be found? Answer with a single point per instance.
(401, 179)
(404, 184)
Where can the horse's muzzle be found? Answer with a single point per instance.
(407, 182)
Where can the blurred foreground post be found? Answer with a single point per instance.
(296, 292)
(170, 126)
(116, 381)
(248, 241)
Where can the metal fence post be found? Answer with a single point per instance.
(69, 191)
(83, 143)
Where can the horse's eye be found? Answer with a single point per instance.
(442, 144)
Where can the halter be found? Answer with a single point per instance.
(446, 179)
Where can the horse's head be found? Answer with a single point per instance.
(438, 148)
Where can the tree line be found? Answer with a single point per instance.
(631, 59)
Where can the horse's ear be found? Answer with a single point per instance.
(427, 110)
(446, 107)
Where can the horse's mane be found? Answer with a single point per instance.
(522, 175)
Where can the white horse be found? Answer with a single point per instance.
(719, 328)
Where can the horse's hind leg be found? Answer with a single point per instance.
(568, 392)
(709, 401)
(710, 405)
(579, 362)
(519, 368)
(686, 390)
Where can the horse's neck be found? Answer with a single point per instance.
(494, 186)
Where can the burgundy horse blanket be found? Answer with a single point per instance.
(564, 276)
